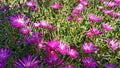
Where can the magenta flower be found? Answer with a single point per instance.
(89, 47)
(70, 17)
(28, 62)
(107, 27)
(36, 25)
(73, 53)
(56, 6)
(110, 66)
(52, 59)
(84, 2)
(31, 3)
(117, 1)
(66, 66)
(2, 64)
(44, 24)
(25, 30)
(19, 20)
(63, 48)
(116, 14)
(53, 44)
(113, 43)
(5, 54)
(94, 18)
(34, 38)
(89, 62)
(110, 4)
(110, 12)
(78, 8)
(89, 34)
(79, 19)
(95, 30)
(100, 7)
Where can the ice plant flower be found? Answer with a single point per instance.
(2, 64)
(25, 30)
(33, 38)
(45, 24)
(70, 17)
(100, 7)
(89, 47)
(63, 48)
(89, 62)
(53, 44)
(84, 2)
(27, 62)
(66, 66)
(78, 8)
(110, 66)
(106, 11)
(110, 4)
(73, 53)
(113, 44)
(5, 54)
(52, 59)
(31, 3)
(18, 20)
(117, 1)
(95, 31)
(56, 6)
(94, 18)
(89, 34)
(36, 25)
(107, 27)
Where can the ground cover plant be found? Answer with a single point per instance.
(59, 33)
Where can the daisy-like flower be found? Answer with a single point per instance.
(113, 44)
(27, 62)
(84, 2)
(52, 59)
(18, 20)
(25, 30)
(78, 8)
(116, 14)
(34, 38)
(110, 4)
(63, 48)
(117, 1)
(89, 34)
(107, 27)
(95, 31)
(45, 24)
(89, 62)
(100, 7)
(94, 18)
(89, 47)
(70, 17)
(31, 3)
(36, 25)
(56, 6)
(73, 53)
(110, 66)
(53, 44)
(106, 11)
(2, 64)
(5, 54)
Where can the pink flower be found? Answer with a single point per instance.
(89, 47)
(53, 44)
(78, 8)
(56, 6)
(79, 19)
(113, 44)
(110, 4)
(107, 27)
(100, 7)
(117, 1)
(84, 2)
(63, 48)
(25, 30)
(73, 53)
(110, 12)
(69, 18)
(89, 34)
(19, 20)
(36, 25)
(94, 18)
(31, 3)
(95, 30)
(44, 24)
